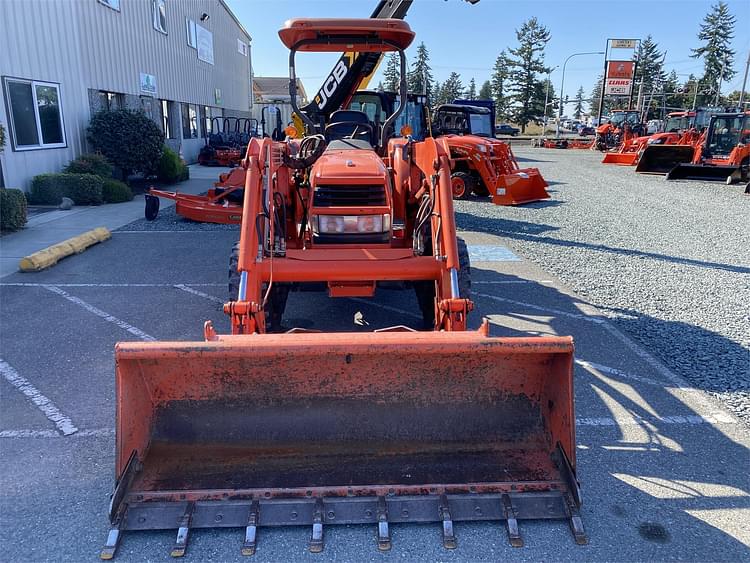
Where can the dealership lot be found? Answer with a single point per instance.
(660, 462)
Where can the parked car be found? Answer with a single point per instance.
(506, 129)
(584, 130)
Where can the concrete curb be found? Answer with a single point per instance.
(53, 254)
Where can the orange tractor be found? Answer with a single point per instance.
(258, 429)
(723, 155)
(678, 128)
(482, 164)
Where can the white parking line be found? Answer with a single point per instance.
(618, 373)
(584, 422)
(19, 284)
(99, 313)
(192, 291)
(558, 312)
(50, 410)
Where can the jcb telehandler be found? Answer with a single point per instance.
(258, 429)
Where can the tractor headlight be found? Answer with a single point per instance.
(338, 224)
(658, 141)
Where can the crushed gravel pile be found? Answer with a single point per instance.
(669, 262)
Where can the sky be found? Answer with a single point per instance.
(467, 38)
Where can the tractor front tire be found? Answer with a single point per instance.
(462, 184)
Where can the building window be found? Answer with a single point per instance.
(160, 15)
(35, 114)
(114, 4)
(241, 47)
(110, 101)
(205, 121)
(166, 119)
(191, 38)
(147, 105)
(189, 121)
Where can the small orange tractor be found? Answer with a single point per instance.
(724, 154)
(258, 429)
(620, 128)
(678, 125)
(482, 164)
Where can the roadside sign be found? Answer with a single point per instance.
(620, 69)
(618, 86)
(623, 43)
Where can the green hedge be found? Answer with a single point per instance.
(169, 169)
(12, 209)
(114, 191)
(95, 164)
(83, 189)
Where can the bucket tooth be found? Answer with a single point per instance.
(384, 534)
(449, 538)
(576, 523)
(511, 523)
(114, 535)
(180, 544)
(316, 539)
(248, 547)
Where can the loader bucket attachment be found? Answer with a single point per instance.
(521, 186)
(660, 159)
(316, 429)
(620, 158)
(729, 174)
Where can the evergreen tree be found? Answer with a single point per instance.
(527, 62)
(452, 88)
(392, 73)
(578, 110)
(649, 67)
(419, 78)
(499, 81)
(716, 33)
(485, 92)
(471, 91)
(673, 97)
(381, 88)
(436, 94)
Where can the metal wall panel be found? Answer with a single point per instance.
(84, 45)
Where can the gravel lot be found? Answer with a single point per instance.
(667, 261)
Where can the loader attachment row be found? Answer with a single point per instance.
(318, 509)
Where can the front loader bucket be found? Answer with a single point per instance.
(620, 158)
(704, 172)
(317, 429)
(522, 186)
(660, 159)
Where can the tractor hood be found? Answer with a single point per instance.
(362, 164)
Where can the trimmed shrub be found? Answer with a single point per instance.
(114, 191)
(170, 166)
(83, 189)
(184, 173)
(128, 139)
(96, 164)
(12, 209)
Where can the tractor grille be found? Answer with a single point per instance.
(349, 196)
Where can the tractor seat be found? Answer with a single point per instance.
(352, 124)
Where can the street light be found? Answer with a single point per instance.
(546, 99)
(562, 84)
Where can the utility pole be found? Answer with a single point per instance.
(721, 75)
(744, 81)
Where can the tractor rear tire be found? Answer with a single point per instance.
(152, 207)
(425, 290)
(462, 184)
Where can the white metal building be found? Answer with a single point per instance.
(181, 61)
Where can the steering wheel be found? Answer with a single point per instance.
(357, 132)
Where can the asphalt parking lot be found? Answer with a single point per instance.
(663, 466)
